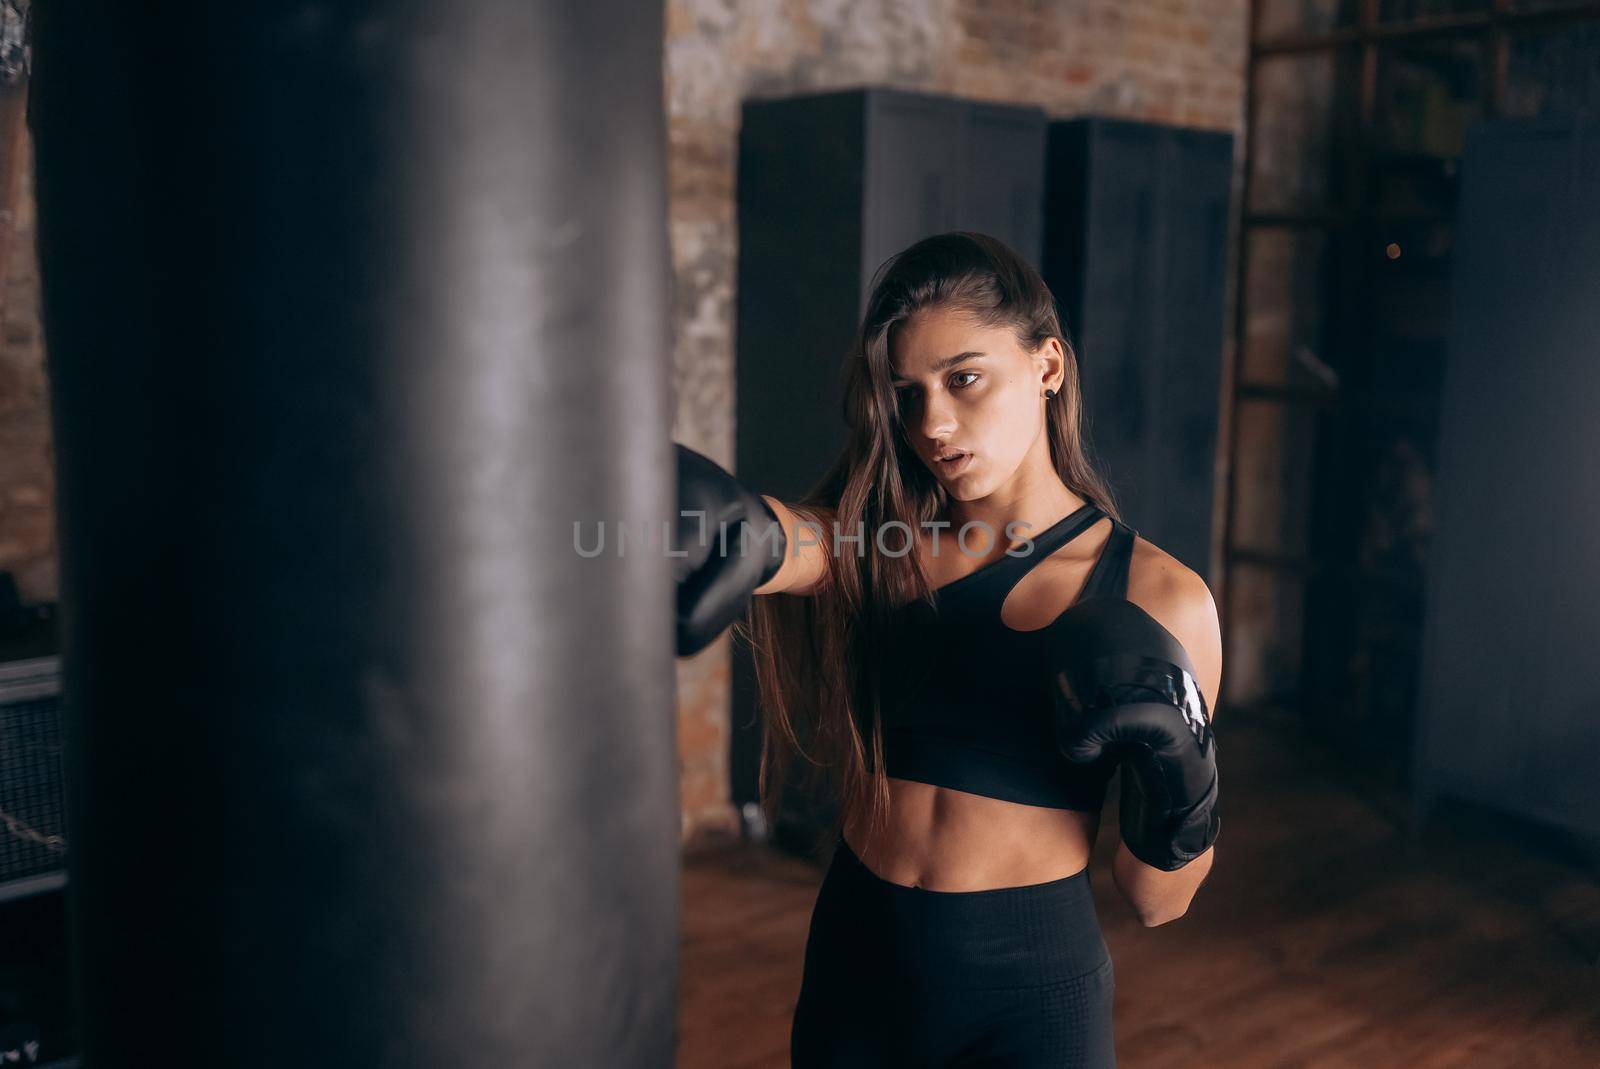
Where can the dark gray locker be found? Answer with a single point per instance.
(914, 179)
(829, 187)
(801, 183)
(1136, 233)
(1508, 713)
(1005, 176)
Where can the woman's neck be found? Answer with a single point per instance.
(1032, 500)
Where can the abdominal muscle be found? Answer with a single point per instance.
(941, 839)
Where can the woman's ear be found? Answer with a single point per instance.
(1051, 362)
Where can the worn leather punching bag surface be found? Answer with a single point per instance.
(352, 312)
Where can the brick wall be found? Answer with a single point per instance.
(27, 473)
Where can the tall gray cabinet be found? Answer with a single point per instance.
(1508, 710)
(829, 187)
(1136, 252)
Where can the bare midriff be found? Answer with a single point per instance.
(941, 839)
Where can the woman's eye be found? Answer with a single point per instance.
(905, 395)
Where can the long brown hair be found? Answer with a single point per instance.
(815, 655)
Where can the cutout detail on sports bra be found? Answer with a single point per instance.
(1051, 538)
(1102, 578)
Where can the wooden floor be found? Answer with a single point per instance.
(1327, 936)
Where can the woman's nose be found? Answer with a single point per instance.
(938, 418)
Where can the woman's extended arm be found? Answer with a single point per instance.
(805, 565)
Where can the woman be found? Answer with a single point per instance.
(981, 642)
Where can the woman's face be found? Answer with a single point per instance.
(974, 391)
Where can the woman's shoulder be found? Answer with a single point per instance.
(1180, 600)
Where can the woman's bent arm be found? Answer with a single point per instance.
(805, 564)
(1155, 895)
(1183, 603)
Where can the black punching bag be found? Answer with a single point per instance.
(352, 312)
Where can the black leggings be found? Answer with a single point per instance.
(905, 976)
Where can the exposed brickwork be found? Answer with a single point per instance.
(27, 471)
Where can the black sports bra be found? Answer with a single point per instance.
(968, 701)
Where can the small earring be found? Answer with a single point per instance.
(1049, 393)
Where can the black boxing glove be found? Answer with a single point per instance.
(1125, 690)
(728, 542)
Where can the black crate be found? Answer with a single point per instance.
(33, 823)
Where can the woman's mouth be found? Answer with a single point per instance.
(956, 463)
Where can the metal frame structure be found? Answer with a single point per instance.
(1369, 33)
(27, 681)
